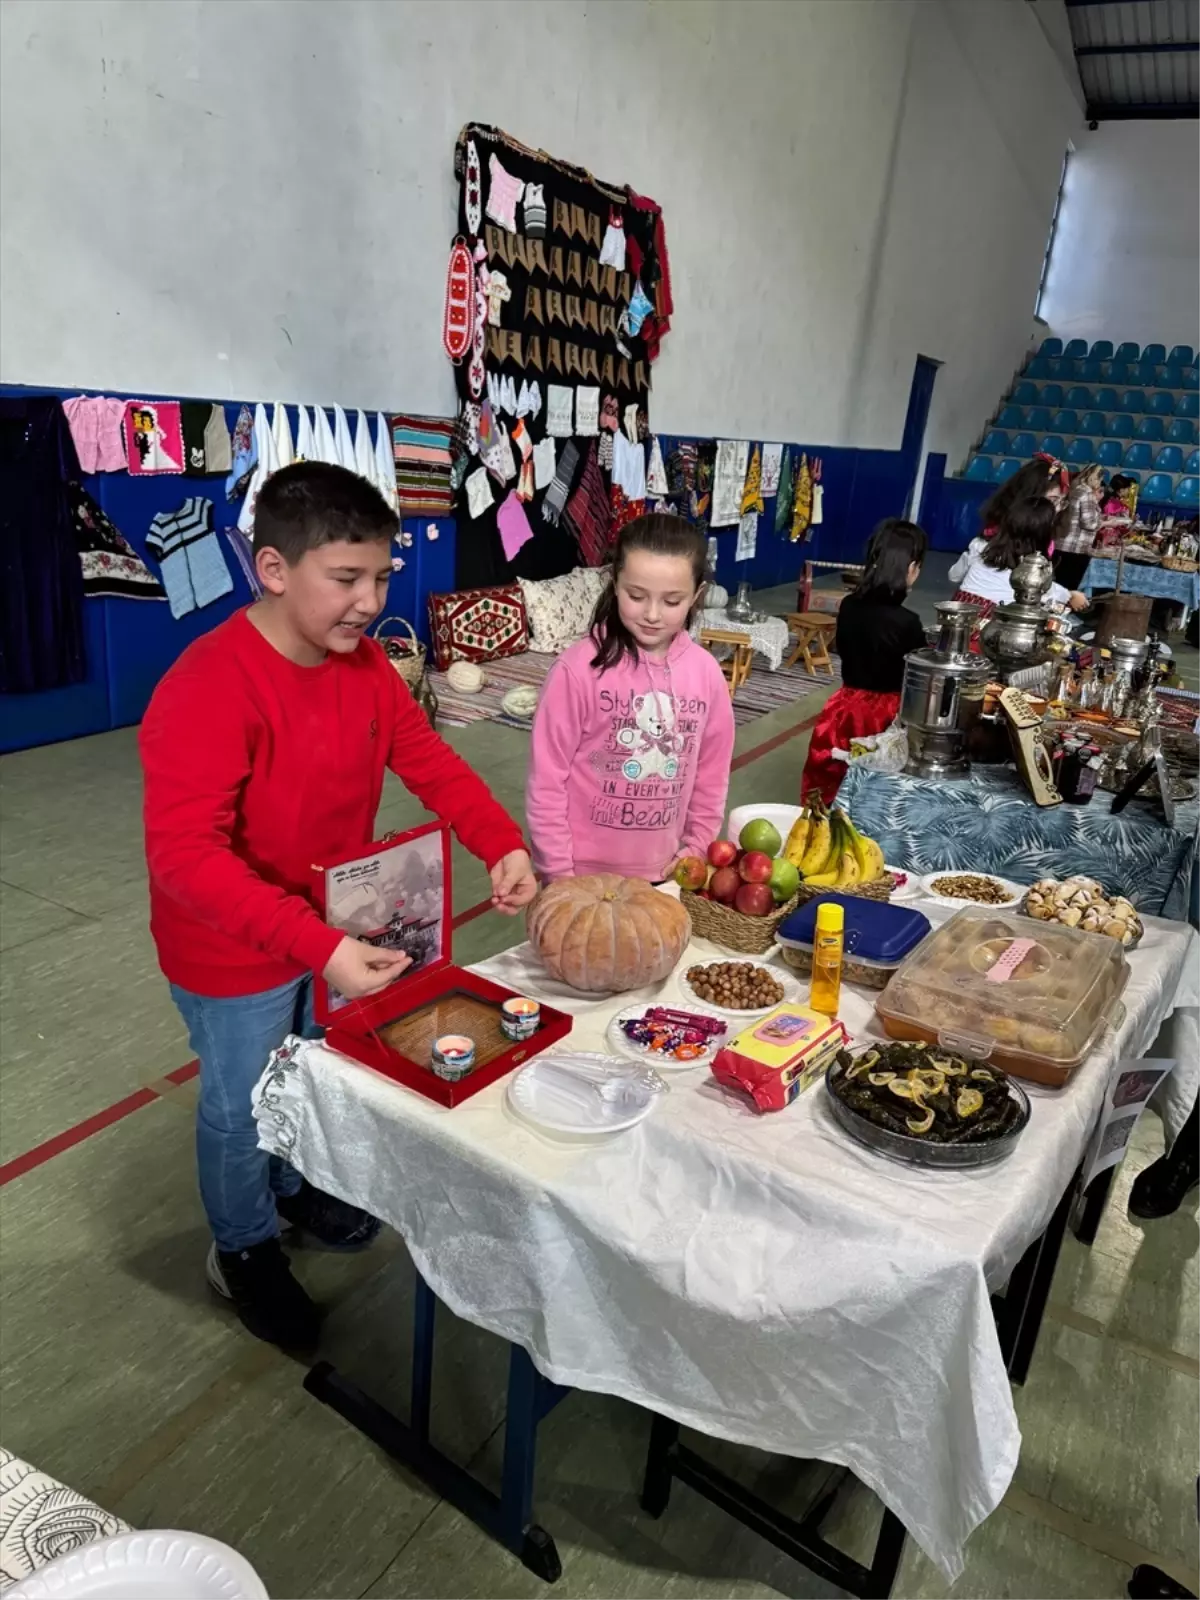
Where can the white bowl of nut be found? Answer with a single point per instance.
(739, 988)
(955, 887)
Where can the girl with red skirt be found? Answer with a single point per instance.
(875, 631)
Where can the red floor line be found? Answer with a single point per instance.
(67, 1140)
(41, 1153)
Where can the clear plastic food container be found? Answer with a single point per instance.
(1032, 998)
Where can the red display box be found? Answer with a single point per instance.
(396, 894)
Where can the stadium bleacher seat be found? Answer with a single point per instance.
(1090, 371)
(1118, 372)
(1161, 404)
(1059, 367)
(1006, 468)
(1053, 444)
(1132, 400)
(1093, 422)
(1102, 350)
(1023, 444)
(1188, 405)
(1039, 367)
(1065, 421)
(1108, 452)
(1187, 492)
(1181, 430)
(1050, 347)
(1190, 377)
(1077, 347)
(1105, 400)
(1078, 395)
(1128, 352)
(1038, 417)
(1080, 453)
(1140, 456)
(1049, 394)
(1142, 372)
(1154, 353)
(995, 443)
(1120, 426)
(1169, 459)
(1158, 486)
(1182, 355)
(981, 469)
(1024, 393)
(1192, 464)
(1168, 377)
(1010, 417)
(1150, 428)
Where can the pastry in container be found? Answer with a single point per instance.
(1033, 1000)
(875, 940)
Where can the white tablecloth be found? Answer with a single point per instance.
(759, 1278)
(768, 637)
(41, 1520)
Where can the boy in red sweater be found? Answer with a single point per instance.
(263, 750)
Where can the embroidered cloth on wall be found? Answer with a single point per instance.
(571, 302)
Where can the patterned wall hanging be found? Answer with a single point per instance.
(557, 300)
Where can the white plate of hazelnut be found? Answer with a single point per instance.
(739, 988)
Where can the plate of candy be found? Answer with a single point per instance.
(672, 1038)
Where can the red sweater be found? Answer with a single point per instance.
(256, 770)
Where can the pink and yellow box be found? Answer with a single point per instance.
(775, 1059)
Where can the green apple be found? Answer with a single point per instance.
(759, 834)
(784, 880)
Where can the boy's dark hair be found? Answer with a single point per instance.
(1027, 528)
(312, 503)
(891, 550)
(661, 533)
(1028, 482)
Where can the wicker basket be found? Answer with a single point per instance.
(406, 655)
(877, 889)
(1180, 564)
(732, 930)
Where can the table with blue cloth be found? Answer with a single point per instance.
(989, 823)
(1143, 577)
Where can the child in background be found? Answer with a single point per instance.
(634, 732)
(1043, 478)
(984, 570)
(875, 631)
(1116, 512)
(264, 750)
(1077, 526)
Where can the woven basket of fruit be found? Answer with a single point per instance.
(733, 929)
(829, 853)
(1180, 564)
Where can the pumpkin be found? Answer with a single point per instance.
(466, 677)
(716, 598)
(606, 934)
(520, 702)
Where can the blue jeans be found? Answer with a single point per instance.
(233, 1039)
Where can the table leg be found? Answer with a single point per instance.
(798, 1537)
(1091, 1207)
(1020, 1311)
(506, 1518)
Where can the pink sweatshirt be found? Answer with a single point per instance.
(629, 766)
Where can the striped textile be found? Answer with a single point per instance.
(421, 446)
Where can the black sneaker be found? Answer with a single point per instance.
(1152, 1583)
(1160, 1189)
(332, 1222)
(270, 1302)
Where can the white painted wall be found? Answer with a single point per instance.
(1126, 264)
(256, 199)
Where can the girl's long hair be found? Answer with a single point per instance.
(1027, 528)
(661, 533)
(891, 550)
(1029, 482)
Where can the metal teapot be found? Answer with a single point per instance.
(1021, 633)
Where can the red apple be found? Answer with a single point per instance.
(755, 899)
(722, 853)
(724, 885)
(691, 873)
(755, 867)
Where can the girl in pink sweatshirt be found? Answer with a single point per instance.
(634, 732)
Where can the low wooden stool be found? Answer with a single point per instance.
(814, 631)
(736, 666)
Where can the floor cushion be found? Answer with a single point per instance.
(560, 610)
(478, 624)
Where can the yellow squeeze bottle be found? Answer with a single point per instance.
(827, 958)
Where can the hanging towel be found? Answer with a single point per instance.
(385, 460)
(323, 434)
(342, 441)
(306, 449)
(281, 433)
(364, 450)
(515, 531)
(629, 467)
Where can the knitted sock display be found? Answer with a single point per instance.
(605, 452)
(535, 210)
(520, 437)
(612, 251)
(564, 476)
(588, 513)
(504, 191)
(193, 568)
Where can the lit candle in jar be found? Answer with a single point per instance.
(520, 1018)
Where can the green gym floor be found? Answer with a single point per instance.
(125, 1378)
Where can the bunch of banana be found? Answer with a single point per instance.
(829, 852)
